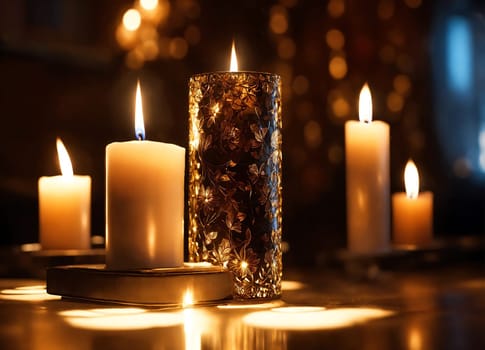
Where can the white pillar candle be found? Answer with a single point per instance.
(412, 212)
(367, 170)
(64, 207)
(144, 202)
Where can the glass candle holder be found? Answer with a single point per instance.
(235, 178)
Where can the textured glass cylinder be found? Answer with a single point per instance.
(235, 178)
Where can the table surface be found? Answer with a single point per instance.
(424, 308)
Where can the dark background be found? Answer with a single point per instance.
(63, 73)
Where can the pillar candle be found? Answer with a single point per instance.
(367, 171)
(65, 207)
(144, 202)
(412, 212)
(235, 177)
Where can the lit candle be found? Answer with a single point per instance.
(367, 169)
(412, 212)
(144, 201)
(235, 161)
(65, 207)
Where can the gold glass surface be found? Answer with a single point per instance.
(235, 178)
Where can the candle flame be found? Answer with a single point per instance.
(64, 159)
(139, 124)
(411, 180)
(365, 104)
(233, 67)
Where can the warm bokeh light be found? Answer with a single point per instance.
(313, 134)
(341, 107)
(278, 23)
(335, 39)
(402, 84)
(149, 4)
(131, 20)
(233, 67)
(336, 8)
(395, 102)
(365, 104)
(411, 180)
(139, 124)
(178, 48)
(286, 48)
(300, 85)
(385, 9)
(64, 159)
(337, 67)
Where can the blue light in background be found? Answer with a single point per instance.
(459, 54)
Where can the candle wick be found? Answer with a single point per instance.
(140, 137)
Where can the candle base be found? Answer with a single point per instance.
(150, 287)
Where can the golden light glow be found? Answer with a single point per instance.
(64, 159)
(337, 67)
(336, 8)
(340, 107)
(335, 39)
(120, 319)
(242, 306)
(28, 293)
(411, 180)
(149, 4)
(365, 104)
(415, 339)
(291, 285)
(131, 20)
(395, 102)
(139, 124)
(199, 265)
(233, 66)
(312, 317)
(178, 48)
(244, 265)
(188, 299)
(278, 23)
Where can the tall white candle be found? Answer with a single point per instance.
(144, 202)
(65, 207)
(412, 211)
(367, 169)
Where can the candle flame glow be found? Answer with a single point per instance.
(131, 20)
(365, 104)
(148, 4)
(64, 160)
(139, 124)
(411, 180)
(233, 67)
(188, 299)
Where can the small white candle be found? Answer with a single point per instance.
(367, 171)
(144, 202)
(65, 207)
(412, 212)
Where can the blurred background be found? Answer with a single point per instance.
(68, 68)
